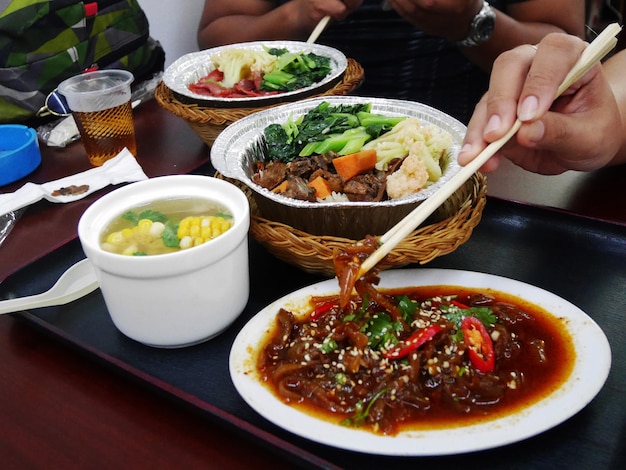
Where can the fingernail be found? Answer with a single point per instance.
(467, 147)
(493, 124)
(528, 109)
(536, 131)
(465, 150)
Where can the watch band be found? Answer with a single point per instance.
(481, 27)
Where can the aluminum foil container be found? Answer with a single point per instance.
(237, 149)
(190, 68)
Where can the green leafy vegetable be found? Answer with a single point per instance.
(361, 411)
(380, 330)
(154, 216)
(324, 128)
(456, 314)
(329, 345)
(407, 307)
(295, 70)
(169, 235)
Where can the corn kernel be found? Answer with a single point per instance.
(126, 233)
(144, 225)
(183, 227)
(205, 232)
(114, 238)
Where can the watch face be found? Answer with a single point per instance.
(484, 28)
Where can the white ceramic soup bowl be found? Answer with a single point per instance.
(175, 299)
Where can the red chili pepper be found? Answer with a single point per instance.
(459, 304)
(417, 339)
(322, 308)
(477, 339)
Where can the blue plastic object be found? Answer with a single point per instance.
(19, 152)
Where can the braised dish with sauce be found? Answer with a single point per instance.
(415, 357)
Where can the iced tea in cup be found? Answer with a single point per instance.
(101, 105)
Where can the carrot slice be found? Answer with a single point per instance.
(320, 186)
(281, 188)
(354, 164)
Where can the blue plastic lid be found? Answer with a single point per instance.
(19, 152)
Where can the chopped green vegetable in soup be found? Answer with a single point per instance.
(166, 226)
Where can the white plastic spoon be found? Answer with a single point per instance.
(78, 281)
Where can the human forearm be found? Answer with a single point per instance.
(232, 21)
(528, 24)
(283, 22)
(508, 34)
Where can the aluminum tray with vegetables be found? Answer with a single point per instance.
(255, 74)
(358, 165)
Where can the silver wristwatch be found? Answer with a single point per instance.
(481, 28)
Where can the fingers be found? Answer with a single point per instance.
(523, 83)
(579, 131)
(555, 57)
(506, 83)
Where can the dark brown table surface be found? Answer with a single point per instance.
(61, 409)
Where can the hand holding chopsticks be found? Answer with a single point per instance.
(598, 49)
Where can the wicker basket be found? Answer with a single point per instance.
(315, 253)
(209, 122)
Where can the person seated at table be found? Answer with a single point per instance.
(584, 129)
(426, 51)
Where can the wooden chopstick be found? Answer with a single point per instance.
(598, 49)
(321, 26)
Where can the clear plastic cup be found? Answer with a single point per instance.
(101, 105)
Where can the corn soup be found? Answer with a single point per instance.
(165, 226)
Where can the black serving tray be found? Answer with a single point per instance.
(579, 259)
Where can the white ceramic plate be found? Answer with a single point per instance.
(590, 371)
(192, 67)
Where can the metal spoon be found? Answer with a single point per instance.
(78, 281)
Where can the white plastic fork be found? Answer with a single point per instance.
(78, 281)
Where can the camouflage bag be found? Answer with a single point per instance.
(43, 42)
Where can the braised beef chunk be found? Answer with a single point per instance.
(366, 188)
(272, 175)
(302, 167)
(297, 189)
(335, 181)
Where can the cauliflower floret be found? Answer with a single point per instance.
(410, 137)
(237, 64)
(409, 178)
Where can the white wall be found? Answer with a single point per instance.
(174, 24)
